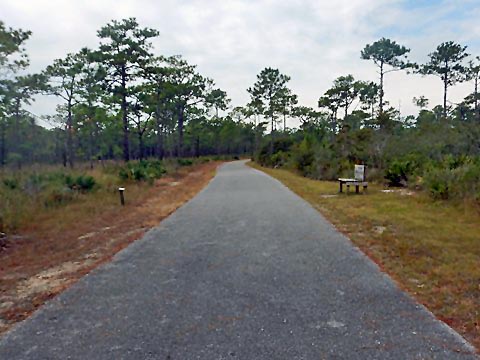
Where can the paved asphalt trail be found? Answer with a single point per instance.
(246, 270)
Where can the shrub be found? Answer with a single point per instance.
(144, 170)
(185, 162)
(303, 158)
(279, 145)
(280, 158)
(398, 172)
(11, 183)
(82, 182)
(459, 183)
(466, 183)
(438, 182)
(401, 170)
(452, 162)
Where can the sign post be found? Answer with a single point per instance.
(122, 198)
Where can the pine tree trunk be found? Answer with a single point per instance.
(3, 146)
(126, 145)
(271, 137)
(159, 139)
(141, 145)
(70, 135)
(158, 121)
(91, 145)
(477, 110)
(255, 150)
(381, 88)
(445, 87)
(16, 129)
(180, 131)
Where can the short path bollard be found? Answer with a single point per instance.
(122, 198)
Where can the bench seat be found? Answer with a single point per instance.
(352, 182)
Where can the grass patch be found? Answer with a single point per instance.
(37, 190)
(431, 248)
(52, 247)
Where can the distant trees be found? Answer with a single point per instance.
(64, 77)
(446, 62)
(125, 49)
(188, 90)
(388, 56)
(121, 100)
(344, 92)
(12, 52)
(421, 102)
(473, 74)
(286, 104)
(369, 93)
(307, 116)
(12, 59)
(118, 100)
(269, 94)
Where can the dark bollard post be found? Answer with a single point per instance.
(122, 198)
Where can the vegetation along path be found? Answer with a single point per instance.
(245, 270)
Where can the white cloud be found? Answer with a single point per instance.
(313, 41)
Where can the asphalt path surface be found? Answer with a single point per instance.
(245, 270)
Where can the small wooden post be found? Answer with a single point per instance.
(122, 198)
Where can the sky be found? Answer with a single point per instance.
(231, 41)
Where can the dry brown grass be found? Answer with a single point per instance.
(59, 246)
(432, 249)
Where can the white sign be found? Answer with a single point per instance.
(360, 172)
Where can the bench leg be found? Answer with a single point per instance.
(341, 186)
(357, 189)
(365, 188)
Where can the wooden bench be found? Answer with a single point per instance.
(357, 181)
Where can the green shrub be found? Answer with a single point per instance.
(82, 182)
(282, 145)
(398, 172)
(278, 159)
(459, 183)
(130, 172)
(466, 183)
(144, 170)
(401, 170)
(438, 182)
(452, 162)
(11, 183)
(303, 158)
(185, 162)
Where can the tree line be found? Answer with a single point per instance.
(119, 100)
(439, 149)
(271, 97)
(122, 101)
